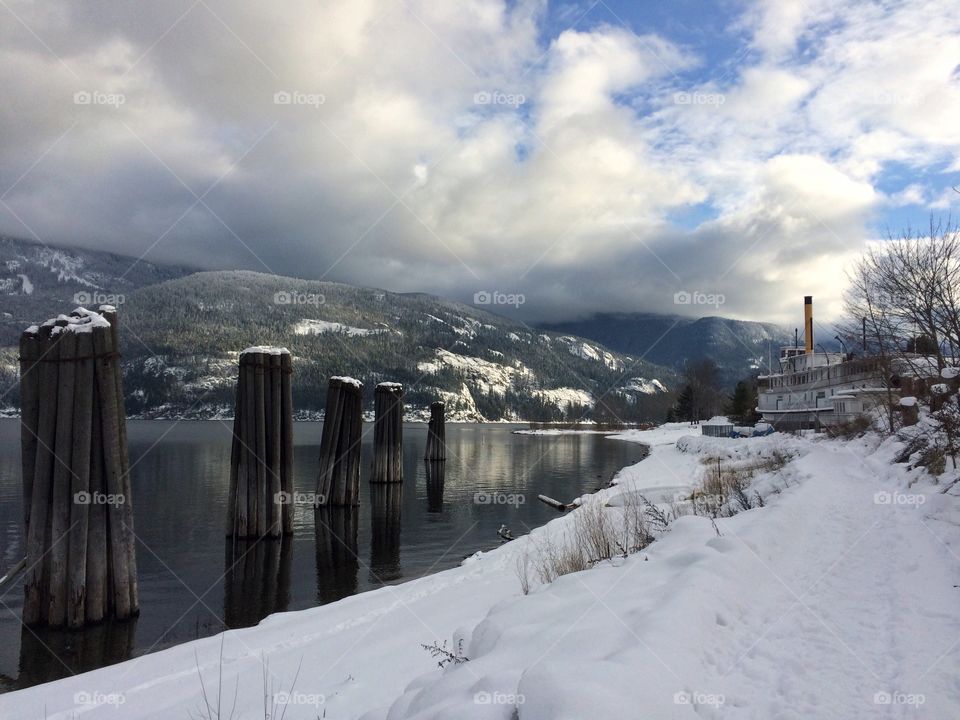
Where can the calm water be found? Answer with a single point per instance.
(193, 583)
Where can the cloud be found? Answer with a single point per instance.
(450, 148)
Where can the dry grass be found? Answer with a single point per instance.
(849, 430)
(552, 560)
(599, 533)
(726, 484)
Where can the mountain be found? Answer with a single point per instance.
(738, 347)
(39, 281)
(181, 332)
(185, 335)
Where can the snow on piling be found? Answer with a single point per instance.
(388, 433)
(261, 459)
(81, 560)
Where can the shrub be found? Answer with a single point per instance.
(850, 429)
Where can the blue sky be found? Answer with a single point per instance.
(714, 31)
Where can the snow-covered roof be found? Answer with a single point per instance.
(718, 420)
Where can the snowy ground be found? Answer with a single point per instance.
(837, 599)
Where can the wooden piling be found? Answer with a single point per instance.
(436, 434)
(80, 545)
(249, 440)
(29, 411)
(35, 581)
(117, 522)
(274, 443)
(109, 312)
(261, 467)
(286, 446)
(338, 482)
(62, 481)
(80, 486)
(388, 433)
(97, 579)
(235, 453)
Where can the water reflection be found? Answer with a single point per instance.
(436, 475)
(385, 501)
(337, 552)
(47, 654)
(257, 580)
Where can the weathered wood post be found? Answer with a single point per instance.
(339, 480)
(261, 459)
(436, 434)
(388, 433)
(81, 555)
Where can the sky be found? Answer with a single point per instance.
(550, 160)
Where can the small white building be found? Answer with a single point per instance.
(717, 426)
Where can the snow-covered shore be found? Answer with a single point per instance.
(836, 599)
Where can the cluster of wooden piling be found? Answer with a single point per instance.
(388, 433)
(81, 559)
(339, 479)
(261, 464)
(436, 434)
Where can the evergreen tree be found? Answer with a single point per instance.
(743, 403)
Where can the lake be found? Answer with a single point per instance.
(194, 583)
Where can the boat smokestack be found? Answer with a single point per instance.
(808, 323)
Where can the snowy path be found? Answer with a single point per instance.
(853, 603)
(824, 604)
